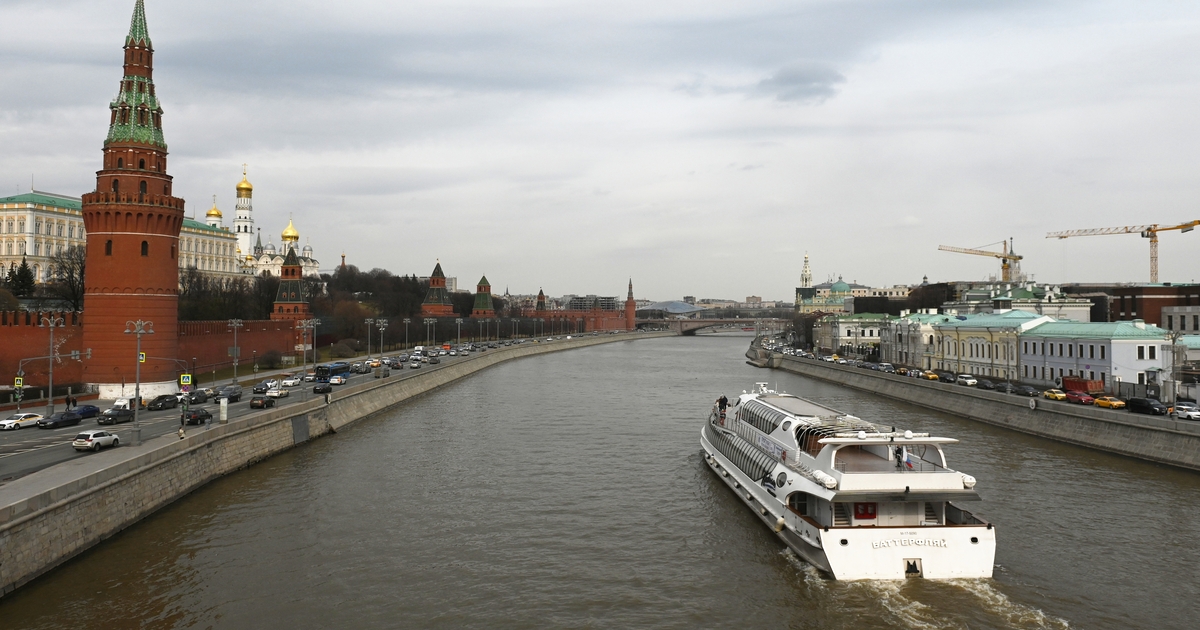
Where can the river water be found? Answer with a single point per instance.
(566, 491)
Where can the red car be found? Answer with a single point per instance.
(1080, 397)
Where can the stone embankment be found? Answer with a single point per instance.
(1153, 438)
(53, 515)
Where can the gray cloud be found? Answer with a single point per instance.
(801, 82)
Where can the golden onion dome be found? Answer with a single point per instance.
(289, 233)
(244, 187)
(213, 212)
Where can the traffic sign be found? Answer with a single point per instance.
(18, 382)
(185, 379)
(186, 388)
(141, 357)
(256, 368)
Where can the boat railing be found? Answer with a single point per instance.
(914, 464)
(958, 516)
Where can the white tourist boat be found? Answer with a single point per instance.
(856, 501)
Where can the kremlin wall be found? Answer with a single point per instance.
(133, 260)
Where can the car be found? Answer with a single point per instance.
(198, 396)
(322, 388)
(87, 411)
(358, 368)
(128, 402)
(985, 384)
(887, 367)
(1054, 394)
(291, 381)
(1186, 411)
(454, 353)
(277, 392)
(261, 388)
(1080, 398)
(232, 393)
(60, 419)
(947, 377)
(310, 377)
(166, 401)
(433, 360)
(337, 379)
(1006, 388)
(197, 416)
(261, 402)
(414, 365)
(966, 379)
(94, 440)
(1144, 405)
(1027, 390)
(115, 415)
(1110, 402)
(18, 420)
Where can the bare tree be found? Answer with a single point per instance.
(67, 286)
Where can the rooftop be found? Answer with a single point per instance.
(1005, 319)
(45, 199)
(1099, 330)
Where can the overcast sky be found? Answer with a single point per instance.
(700, 147)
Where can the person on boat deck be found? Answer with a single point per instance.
(722, 403)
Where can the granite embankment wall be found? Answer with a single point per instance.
(1154, 438)
(41, 527)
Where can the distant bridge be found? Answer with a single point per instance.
(689, 326)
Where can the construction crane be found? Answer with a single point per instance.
(1147, 231)
(1008, 260)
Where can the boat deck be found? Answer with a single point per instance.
(853, 460)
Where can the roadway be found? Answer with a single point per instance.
(31, 449)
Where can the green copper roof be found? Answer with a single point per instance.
(45, 199)
(137, 26)
(136, 95)
(483, 282)
(1007, 319)
(1191, 341)
(1097, 330)
(196, 225)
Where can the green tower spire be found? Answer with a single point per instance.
(137, 27)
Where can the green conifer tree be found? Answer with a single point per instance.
(22, 283)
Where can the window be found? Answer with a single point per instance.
(1043, 348)
(1081, 351)
(142, 164)
(1025, 348)
(116, 186)
(71, 232)
(1101, 352)
(172, 252)
(1070, 349)
(1141, 353)
(1092, 351)
(1170, 322)
(1060, 349)
(120, 163)
(1195, 323)
(108, 248)
(1153, 352)
(142, 187)
(145, 248)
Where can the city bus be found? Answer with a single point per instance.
(339, 368)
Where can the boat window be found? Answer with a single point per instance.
(798, 502)
(761, 417)
(787, 425)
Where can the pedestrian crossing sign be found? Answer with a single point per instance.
(141, 357)
(185, 379)
(18, 382)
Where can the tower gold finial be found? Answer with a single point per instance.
(244, 188)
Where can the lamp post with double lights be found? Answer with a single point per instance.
(234, 325)
(51, 322)
(305, 325)
(369, 323)
(407, 321)
(382, 325)
(479, 335)
(139, 328)
(458, 320)
(429, 322)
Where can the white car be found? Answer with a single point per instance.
(291, 381)
(336, 379)
(277, 392)
(18, 420)
(309, 377)
(271, 383)
(1186, 411)
(967, 379)
(94, 440)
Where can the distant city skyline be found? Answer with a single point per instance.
(699, 148)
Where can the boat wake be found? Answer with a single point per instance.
(998, 604)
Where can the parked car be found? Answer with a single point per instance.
(1110, 402)
(929, 375)
(277, 392)
(1144, 405)
(985, 384)
(966, 379)
(18, 420)
(947, 377)
(1186, 411)
(1054, 394)
(197, 416)
(887, 367)
(115, 415)
(166, 401)
(1026, 390)
(94, 440)
(1005, 388)
(1080, 398)
(60, 419)
(291, 381)
(322, 388)
(337, 379)
(231, 392)
(261, 402)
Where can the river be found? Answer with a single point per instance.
(567, 491)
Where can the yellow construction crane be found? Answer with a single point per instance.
(1147, 231)
(1008, 260)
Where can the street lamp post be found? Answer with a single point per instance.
(139, 328)
(407, 321)
(52, 322)
(369, 323)
(382, 324)
(234, 325)
(429, 322)
(479, 335)
(458, 320)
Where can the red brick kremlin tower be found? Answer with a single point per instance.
(483, 299)
(437, 301)
(132, 224)
(630, 309)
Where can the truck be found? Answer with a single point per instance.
(1077, 384)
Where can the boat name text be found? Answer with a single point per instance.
(907, 542)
